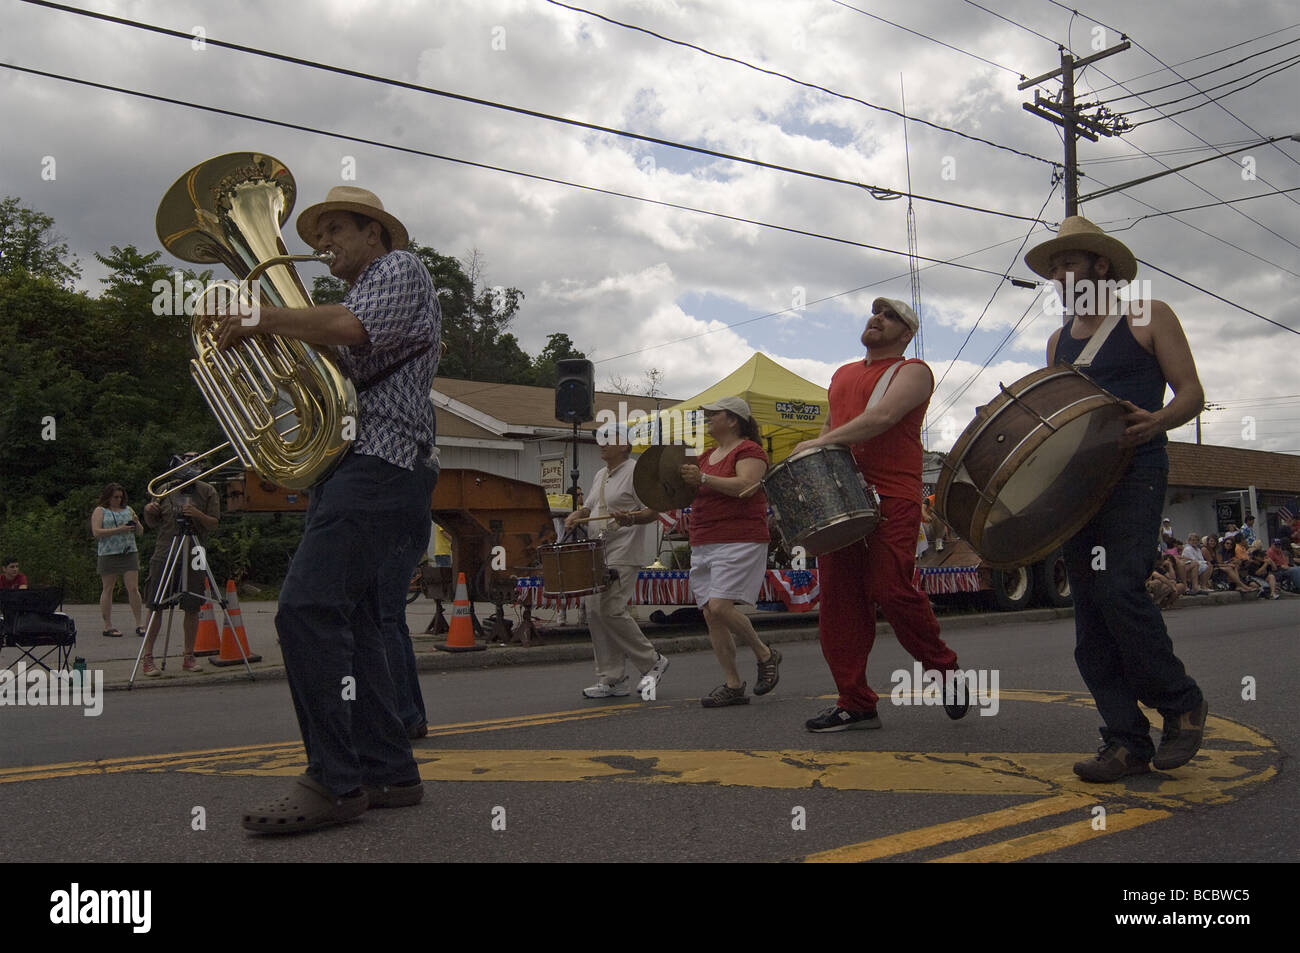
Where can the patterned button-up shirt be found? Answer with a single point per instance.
(395, 301)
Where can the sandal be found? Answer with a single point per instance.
(769, 672)
(139, 630)
(305, 807)
(111, 633)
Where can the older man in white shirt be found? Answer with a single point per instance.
(629, 540)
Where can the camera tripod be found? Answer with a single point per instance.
(177, 568)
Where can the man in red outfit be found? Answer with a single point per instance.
(884, 434)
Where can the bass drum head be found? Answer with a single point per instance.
(1054, 490)
(837, 533)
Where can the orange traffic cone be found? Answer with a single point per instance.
(208, 641)
(460, 638)
(230, 652)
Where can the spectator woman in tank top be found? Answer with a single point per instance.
(729, 540)
(116, 528)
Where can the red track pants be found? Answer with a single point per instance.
(855, 580)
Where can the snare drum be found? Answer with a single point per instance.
(574, 569)
(1034, 466)
(820, 501)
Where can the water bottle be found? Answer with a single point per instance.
(78, 670)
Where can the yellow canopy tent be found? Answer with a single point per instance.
(787, 407)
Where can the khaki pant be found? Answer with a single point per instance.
(615, 635)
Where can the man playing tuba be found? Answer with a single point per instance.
(386, 333)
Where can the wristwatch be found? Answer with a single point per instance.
(704, 478)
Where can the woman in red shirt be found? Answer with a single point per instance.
(729, 539)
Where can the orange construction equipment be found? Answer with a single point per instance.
(230, 652)
(460, 638)
(208, 641)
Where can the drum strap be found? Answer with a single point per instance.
(882, 385)
(1097, 340)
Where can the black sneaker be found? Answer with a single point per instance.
(1181, 738)
(724, 695)
(769, 672)
(1113, 761)
(840, 719)
(958, 704)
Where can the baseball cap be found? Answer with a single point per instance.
(899, 308)
(735, 405)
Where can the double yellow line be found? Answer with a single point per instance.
(1018, 848)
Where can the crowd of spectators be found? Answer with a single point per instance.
(1238, 559)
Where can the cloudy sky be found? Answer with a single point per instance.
(641, 286)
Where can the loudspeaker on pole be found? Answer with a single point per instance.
(575, 389)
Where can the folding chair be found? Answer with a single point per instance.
(30, 622)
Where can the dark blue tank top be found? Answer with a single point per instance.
(1124, 368)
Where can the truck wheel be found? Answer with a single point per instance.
(1052, 582)
(1012, 588)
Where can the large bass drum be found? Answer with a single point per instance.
(819, 500)
(1034, 466)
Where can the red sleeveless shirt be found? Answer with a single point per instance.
(892, 460)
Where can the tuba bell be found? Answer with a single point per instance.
(281, 403)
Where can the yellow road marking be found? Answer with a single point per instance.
(1043, 842)
(923, 837)
(1210, 779)
(279, 750)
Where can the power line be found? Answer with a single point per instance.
(876, 192)
(1217, 69)
(1015, 24)
(1200, 56)
(926, 36)
(970, 381)
(1211, 235)
(1179, 75)
(818, 300)
(808, 85)
(483, 165)
(1181, 175)
(1193, 208)
(1212, 195)
(988, 304)
(1219, 297)
(1184, 150)
(1205, 92)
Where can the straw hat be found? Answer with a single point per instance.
(1079, 234)
(349, 198)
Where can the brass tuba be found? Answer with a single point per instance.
(280, 402)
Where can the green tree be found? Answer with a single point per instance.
(27, 245)
(477, 345)
(558, 348)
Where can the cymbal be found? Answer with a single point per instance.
(658, 481)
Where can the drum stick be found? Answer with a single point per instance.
(749, 490)
(591, 519)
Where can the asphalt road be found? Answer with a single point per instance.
(664, 780)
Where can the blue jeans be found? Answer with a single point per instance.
(394, 582)
(329, 623)
(1122, 648)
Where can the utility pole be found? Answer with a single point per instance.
(1066, 114)
(1208, 407)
